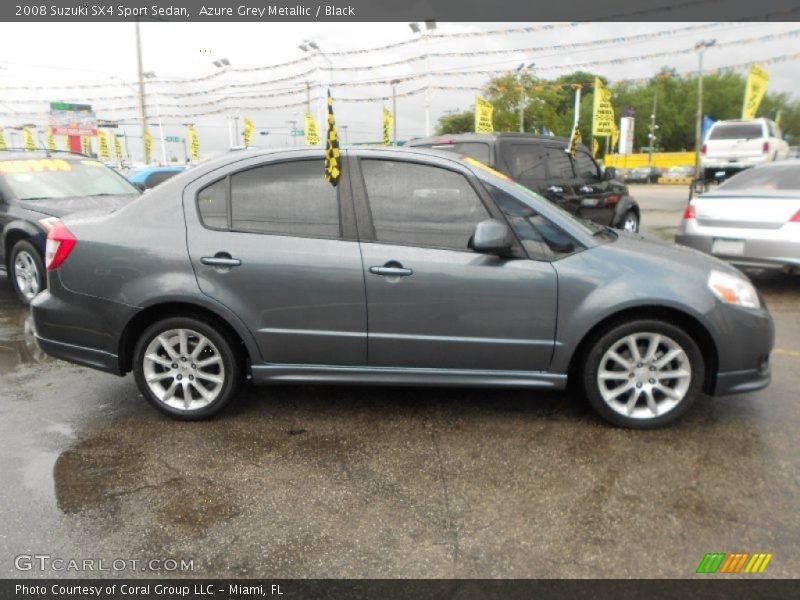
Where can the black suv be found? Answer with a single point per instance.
(36, 188)
(543, 165)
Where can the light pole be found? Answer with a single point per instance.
(394, 83)
(151, 75)
(700, 46)
(312, 46)
(424, 36)
(521, 69)
(142, 105)
(223, 64)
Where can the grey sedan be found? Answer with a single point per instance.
(751, 220)
(419, 268)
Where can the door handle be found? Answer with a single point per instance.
(391, 271)
(221, 259)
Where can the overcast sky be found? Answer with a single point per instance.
(57, 55)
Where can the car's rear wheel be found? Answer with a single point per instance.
(643, 373)
(26, 271)
(630, 222)
(187, 367)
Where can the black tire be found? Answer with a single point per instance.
(25, 249)
(632, 217)
(232, 367)
(613, 336)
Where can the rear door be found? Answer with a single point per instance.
(433, 302)
(273, 242)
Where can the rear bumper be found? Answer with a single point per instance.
(88, 357)
(733, 164)
(758, 253)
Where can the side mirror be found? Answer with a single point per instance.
(610, 173)
(491, 237)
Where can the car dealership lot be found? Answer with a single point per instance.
(397, 482)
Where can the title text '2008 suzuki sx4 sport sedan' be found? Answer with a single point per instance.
(419, 268)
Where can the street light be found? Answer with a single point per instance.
(394, 83)
(151, 75)
(521, 69)
(429, 26)
(233, 136)
(700, 46)
(313, 47)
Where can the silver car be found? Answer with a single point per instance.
(419, 268)
(751, 220)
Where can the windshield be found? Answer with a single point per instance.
(736, 131)
(784, 177)
(35, 179)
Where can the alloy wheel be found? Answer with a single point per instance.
(26, 275)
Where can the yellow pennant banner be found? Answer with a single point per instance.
(754, 93)
(117, 148)
(51, 141)
(148, 147)
(574, 141)
(86, 145)
(483, 116)
(332, 170)
(3, 145)
(28, 139)
(603, 112)
(614, 135)
(194, 143)
(312, 131)
(388, 123)
(249, 128)
(102, 144)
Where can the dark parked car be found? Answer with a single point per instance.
(420, 268)
(35, 189)
(542, 164)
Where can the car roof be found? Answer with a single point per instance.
(485, 137)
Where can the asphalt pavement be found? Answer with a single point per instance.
(300, 481)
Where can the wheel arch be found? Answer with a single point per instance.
(155, 312)
(16, 231)
(693, 327)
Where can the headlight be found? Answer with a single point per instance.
(733, 290)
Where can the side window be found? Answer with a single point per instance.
(212, 202)
(421, 205)
(526, 162)
(559, 163)
(290, 198)
(585, 167)
(541, 238)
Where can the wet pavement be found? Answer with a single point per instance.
(303, 481)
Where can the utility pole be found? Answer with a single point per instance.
(698, 140)
(308, 97)
(521, 69)
(394, 83)
(653, 127)
(142, 106)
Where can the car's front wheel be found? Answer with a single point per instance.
(643, 373)
(26, 271)
(187, 367)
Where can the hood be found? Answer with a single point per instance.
(60, 207)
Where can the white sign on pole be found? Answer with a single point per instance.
(626, 135)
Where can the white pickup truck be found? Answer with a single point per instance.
(735, 145)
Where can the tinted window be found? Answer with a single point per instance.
(559, 163)
(526, 162)
(290, 198)
(477, 150)
(771, 178)
(585, 167)
(541, 237)
(212, 202)
(159, 177)
(736, 131)
(421, 205)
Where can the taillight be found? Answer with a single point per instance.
(613, 199)
(60, 243)
(765, 147)
(688, 214)
(703, 150)
(795, 218)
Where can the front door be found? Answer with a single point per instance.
(434, 303)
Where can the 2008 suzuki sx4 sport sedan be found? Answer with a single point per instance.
(419, 268)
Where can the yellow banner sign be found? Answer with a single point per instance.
(194, 143)
(603, 112)
(388, 122)
(312, 131)
(614, 135)
(51, 141)
(117, 148)
(756, 87)
(249, 128)
(102, 143)
(28, 139)
(3, 145)
(574, 141)
(148, 147)
(483, 116)
(86, 145)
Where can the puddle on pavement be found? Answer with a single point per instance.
(18, 343)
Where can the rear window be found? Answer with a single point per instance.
(736, 131)
(45, 178)
(786, 177)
